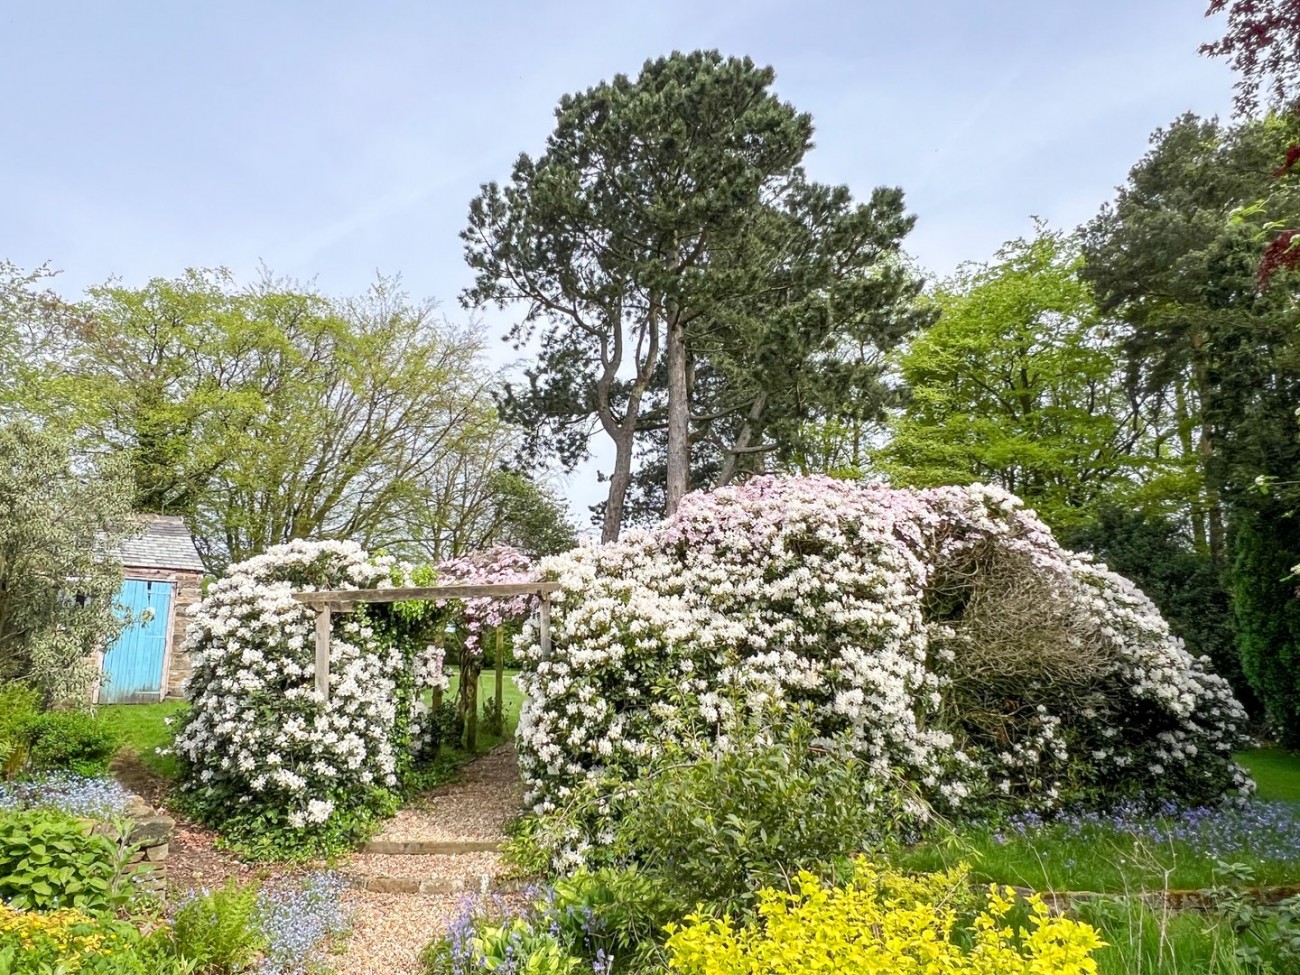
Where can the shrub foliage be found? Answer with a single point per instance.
(49, 860)
(263, 756)
(69, 741)
(279, 771)
(883, 921)
(58, 577)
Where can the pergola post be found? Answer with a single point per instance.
(439, 640)
(323, 652)
(501, 669)
(469, 672)
(544, 624)
(328, 602)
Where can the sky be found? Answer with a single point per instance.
(331, 141)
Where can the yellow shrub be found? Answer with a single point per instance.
(885, 922)
(64, 940)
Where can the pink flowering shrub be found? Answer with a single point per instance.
(944, 633)
(498, 566)
(473, 619)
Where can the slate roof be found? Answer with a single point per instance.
(165, 544)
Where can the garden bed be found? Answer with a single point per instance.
(1125, 851)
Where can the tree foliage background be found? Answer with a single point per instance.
(681, 287)
(268, 411)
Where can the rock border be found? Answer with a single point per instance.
(148, 838)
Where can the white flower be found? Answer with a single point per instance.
(318, 810)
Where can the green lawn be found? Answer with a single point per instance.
(511, 700)
(1137, 853)
(1276, 773)
(143, 727)
(1142, 941)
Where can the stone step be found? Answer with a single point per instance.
(424, 873)
(417, 885)
(400, 847)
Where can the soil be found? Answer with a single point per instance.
(139, 778)
(193, 859)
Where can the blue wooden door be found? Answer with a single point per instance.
(133, 666)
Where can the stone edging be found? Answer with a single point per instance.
(150, 834)
(431, 847)
(413, 885)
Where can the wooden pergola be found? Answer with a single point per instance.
(330, 601)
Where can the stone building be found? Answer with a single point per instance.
(163, 577)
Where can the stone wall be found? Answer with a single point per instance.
(150, 834)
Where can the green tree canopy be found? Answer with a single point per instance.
(1177, 257)
(678, 274)
(1172, 259)
(1020, 383)
(270, 412)
(27, 346)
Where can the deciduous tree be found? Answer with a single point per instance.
(1020, 384)
(271, 412)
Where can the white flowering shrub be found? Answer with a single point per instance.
(943, 633)
(264, 758)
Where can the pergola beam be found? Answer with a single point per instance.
(329, 601)
(499, 590)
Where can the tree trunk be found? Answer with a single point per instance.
(501, 671)
(624, 433)
(1213, 504)
(679, 450)
(746, 434)
(469, 679)
(1183, 422)
(619, 481)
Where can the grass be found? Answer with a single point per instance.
(447, 764)
(511, 701)
(1126, 853)
(1101, 859)
(143, 729)
(1276, 773)
(1142, 941)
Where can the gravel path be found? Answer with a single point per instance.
(390, 930)
(435, 867)
(476, 808)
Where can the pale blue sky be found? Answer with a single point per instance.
(331, 140)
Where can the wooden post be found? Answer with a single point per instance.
(323, 652)
(501, 669)
(462, 692)
(436, 704)
(545, 625)
(470, 673)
